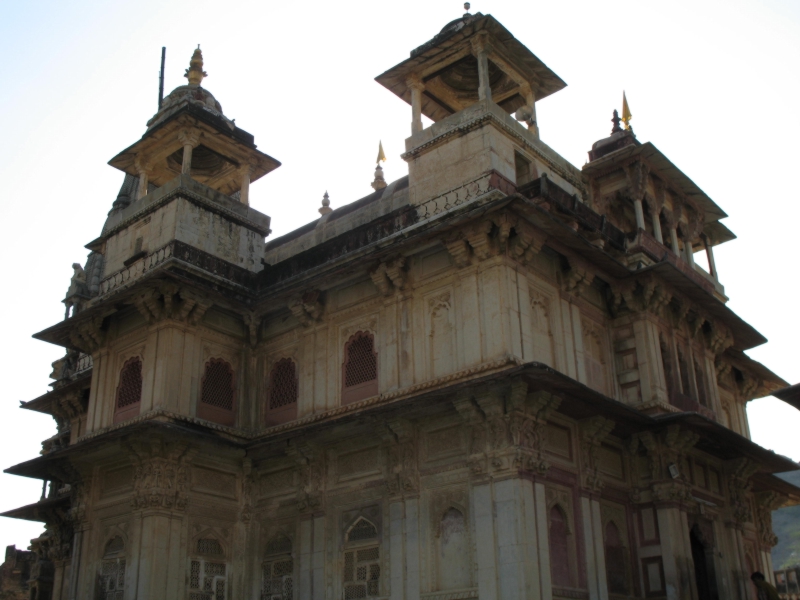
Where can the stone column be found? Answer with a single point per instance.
(637, 206)
(673, 238)
(688, 251)
(144, 177)
(676, 552)
(710, 256)
(244, 192)
(417, 87)
(404, 548)
(527, 113)
(480, 52)
(189, 139)
(657, 228)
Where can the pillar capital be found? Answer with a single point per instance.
(189, 137)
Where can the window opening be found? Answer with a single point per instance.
(360, 369)
(217, 395)
(282, 392)
(111, 579)
(208, 576)
(559, 548)
(277, 570)
(616, 560)
(129, 390)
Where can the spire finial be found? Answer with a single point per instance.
(195, 71)
(626, 112)
(615, 120)
(381, 155)
(379, 182)
(326, 205)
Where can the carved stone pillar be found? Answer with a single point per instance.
(480, 52)
(144, 178)
(417, 87)
(189, 139)
(244, 191)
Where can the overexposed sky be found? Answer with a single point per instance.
(713, 84)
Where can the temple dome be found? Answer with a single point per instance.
(192, 93)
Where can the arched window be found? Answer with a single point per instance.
(129, 391)
(111, 579)
(360, 368)
(560, 568)
(702, 397)
(282, 393)
(595, 360)
(208, 575)
(454, 554)
(362, 565)
(218, 393)
(683, 365)
(616, 560)
(277, 570)
(666, 362)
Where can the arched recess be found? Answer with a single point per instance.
(617, 559)
(208, 569)
(282, 392)
(360, 368)
(111, 575)
(595, 360)
(560, 542)
(453, 557)
(278, 569)
(128, 399)
(218, 393)
(362, 565)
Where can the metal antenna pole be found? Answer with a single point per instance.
(161, 77)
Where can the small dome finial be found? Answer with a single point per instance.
(195, 73)
(326, 205)
(466, 7)
(615, 120)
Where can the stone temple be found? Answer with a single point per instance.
(500, 377)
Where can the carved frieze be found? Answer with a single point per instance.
(161, 473)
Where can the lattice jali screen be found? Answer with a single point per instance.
(282, 392)
(362, 572)
(277, 581)
(207, 580)
(362, 530)
(209, 546)
(217, 392)
(129, 390)
(360, 368)
(111, 579)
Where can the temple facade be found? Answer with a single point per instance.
(501, 377)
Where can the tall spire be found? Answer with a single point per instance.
(195, 71)
(626, 112)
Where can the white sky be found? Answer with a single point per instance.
(713, 84)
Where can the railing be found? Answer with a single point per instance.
(687, 404)
(85, 363)
(182, 252)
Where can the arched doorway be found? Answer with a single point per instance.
(703, 557)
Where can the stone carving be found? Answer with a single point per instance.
(740, 471)
(403, 469)
(389, 275)
(307, 308)
(766, 502)
(160, 475)
(578, 278)
(310, 474)
(592, 433)
(168, 300)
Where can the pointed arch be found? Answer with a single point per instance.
(277, 581)
(128, 400)
(111, 575)
(282, 392)
(616, 558)
(559, 542)
(362, 529)
(453, 557)
(218, 393)
(360, 368)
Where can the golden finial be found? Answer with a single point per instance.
(381, 155)
(195, 71)
(626, 112)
